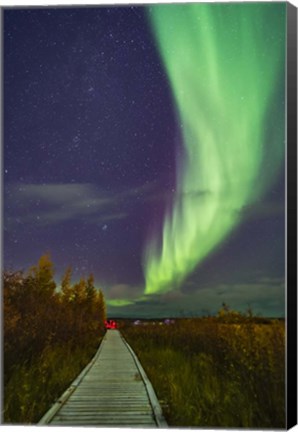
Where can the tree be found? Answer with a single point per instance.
(12, 286)
(101, 308)
(79, 291)
(41, 277)
(66, 288)
(90, 289)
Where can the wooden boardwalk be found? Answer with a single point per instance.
(113, 390)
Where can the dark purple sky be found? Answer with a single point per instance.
(90, 137)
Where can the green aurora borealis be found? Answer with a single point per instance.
(225, 65)
(145, 144)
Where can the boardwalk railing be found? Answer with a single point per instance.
(112, 390)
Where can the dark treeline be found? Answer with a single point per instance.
(50, 333)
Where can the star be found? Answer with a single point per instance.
(94, 152)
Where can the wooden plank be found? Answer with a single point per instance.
(104, 410)
(151, 393)
(108, 414)
(116, 423)
(65, 396)
(102, 419)
(112, 390)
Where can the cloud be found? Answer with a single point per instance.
(123, 291)
(241, 295)
(49, 204)
(119, 302)
(56, 193)
(262, 210)
(173, 194)
(265, 296)
(121, 295)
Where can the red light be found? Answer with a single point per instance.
(110, 324)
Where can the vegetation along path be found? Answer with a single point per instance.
(112, 390)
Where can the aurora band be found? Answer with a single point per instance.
(225, 65)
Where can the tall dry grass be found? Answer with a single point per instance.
(35, 385)
(216, 372)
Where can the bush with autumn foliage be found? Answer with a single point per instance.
(50, 334)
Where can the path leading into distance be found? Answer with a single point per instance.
(113, 390)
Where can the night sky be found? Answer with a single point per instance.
(146, 147)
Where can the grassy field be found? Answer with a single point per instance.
(35, 385)
(227, 371)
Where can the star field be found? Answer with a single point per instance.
(83, 91)
(91, 142)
